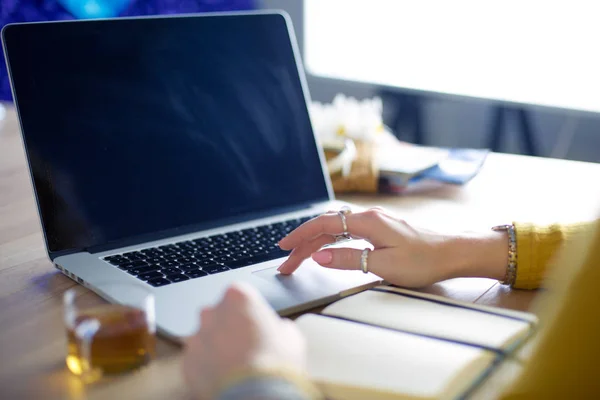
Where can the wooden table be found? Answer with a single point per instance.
(32, 337)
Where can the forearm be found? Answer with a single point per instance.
(477, 255)
(485, 254)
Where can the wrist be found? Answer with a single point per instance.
(242, 376)
(477, 255)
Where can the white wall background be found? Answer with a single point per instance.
(463, 122)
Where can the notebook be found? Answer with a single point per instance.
(391, 343)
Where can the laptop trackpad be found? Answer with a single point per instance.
(312, 280)
(301, 280)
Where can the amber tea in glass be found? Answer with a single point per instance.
(109, 338)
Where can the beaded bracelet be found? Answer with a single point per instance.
(511, 269)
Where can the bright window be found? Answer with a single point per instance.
(525, 51)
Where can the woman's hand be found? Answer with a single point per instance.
(403, 255)
(240, 334)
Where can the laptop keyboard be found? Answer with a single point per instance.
(190, 259)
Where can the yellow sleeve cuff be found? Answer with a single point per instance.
(299, 380)
(537, 247)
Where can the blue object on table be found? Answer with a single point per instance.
(52, 10)
(458, 168)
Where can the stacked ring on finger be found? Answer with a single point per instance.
(345, 235)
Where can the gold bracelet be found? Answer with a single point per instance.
(511, 269)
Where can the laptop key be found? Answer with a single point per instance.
(168, 263)
(135, 255)
(168, 252)
(170, 271)
(257, 251)
(242, 254)
(151, 250)
(242, 262)
(177, 278)
(203, 261)
(202, 241)
(215, 269)
(189, 253)
(224, 259)
(277, 252)
(195, 273)
(134, 264)
(127, 266)
(139, 263)
(120, 261)
(116, 260)
(143, 270)
(150, 275)
(201, 256)
(236, 249)
(189, 267)
(158, 282)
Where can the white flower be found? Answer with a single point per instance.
(347, 117)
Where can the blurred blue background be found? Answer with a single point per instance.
(49, 10)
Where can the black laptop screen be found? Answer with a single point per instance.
(139, 126)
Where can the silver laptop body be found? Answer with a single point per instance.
(84, 120)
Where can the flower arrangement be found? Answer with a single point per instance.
(347, 118)
(343, 124)
(363, 155)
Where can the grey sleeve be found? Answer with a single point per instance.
(264, 388)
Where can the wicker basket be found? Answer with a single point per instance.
(363, 176)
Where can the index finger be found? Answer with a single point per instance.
(368, 225)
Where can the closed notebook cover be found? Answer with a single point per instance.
(349, 360)
(435, 316)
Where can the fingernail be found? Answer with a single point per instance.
(323, 257)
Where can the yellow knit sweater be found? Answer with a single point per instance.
(566, 361)
(537, 246)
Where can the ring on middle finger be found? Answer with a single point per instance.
(345, 234)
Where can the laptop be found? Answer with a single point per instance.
(174, 152)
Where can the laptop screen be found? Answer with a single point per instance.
(140, 126)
